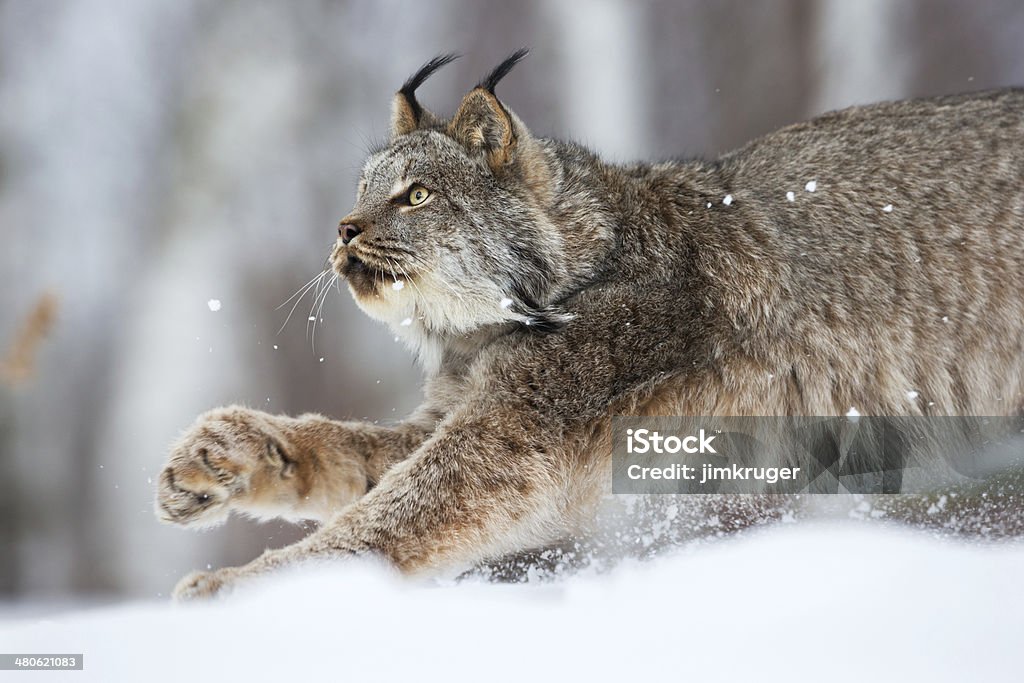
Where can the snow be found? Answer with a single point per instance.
(912, 394)
(790, 196)
(214, 305)
(938, 506)
(406, 322)
(397, 285)
(506, 303)
(727, 200)
(811, 185)
(887, 208)
(832, 602)
(852, 413)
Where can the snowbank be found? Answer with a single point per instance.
(823, 602)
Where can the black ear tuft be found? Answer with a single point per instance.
(408, 89)
(502, 70)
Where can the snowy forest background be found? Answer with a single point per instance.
(157, 155)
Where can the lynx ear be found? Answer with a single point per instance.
(406, 113)
(482, 124)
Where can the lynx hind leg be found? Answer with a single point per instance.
(231, 458)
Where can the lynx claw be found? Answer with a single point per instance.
(203, 585)
(189, 500)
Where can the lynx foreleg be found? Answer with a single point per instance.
(476, 490)
(265, 465)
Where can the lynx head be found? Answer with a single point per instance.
(451, 228)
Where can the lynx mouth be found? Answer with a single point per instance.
(367, 277)
(361, 277)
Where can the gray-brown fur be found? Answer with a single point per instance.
(633, 289)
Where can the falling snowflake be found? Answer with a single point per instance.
(811, 185)
(397, 285)
(727, 200)
(790, 196)
(214, 304)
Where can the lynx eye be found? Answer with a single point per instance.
(417, 195)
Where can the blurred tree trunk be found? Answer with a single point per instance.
(9, 504)
(17, 368)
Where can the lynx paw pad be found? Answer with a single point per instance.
(218, 460)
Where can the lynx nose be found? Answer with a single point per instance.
(348, 231)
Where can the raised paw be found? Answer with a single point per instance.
(203, 585)
(230, 458)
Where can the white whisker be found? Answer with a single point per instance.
(311, 316)
(319, 308)
(301, 294)
(302, 288)
(411, 281)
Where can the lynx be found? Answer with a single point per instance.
(830, 264)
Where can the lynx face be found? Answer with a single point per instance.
(449, 231)
(435, 261)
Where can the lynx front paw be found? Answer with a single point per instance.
(230, 456)
(203, 585)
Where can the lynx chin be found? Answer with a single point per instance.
(871, 257)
